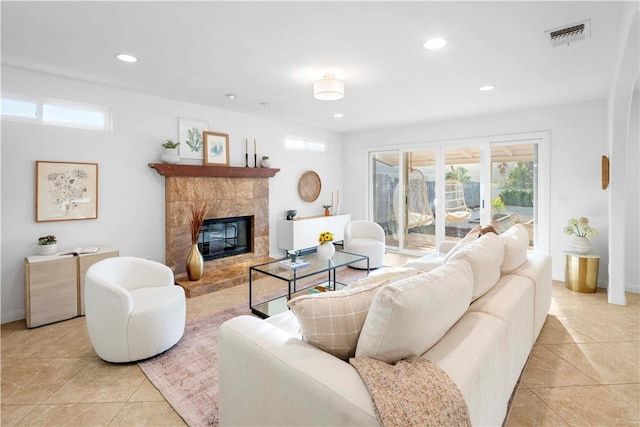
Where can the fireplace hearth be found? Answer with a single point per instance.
(225, 237)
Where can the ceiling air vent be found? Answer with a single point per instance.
(570, 33)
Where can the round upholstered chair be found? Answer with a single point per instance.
(365, 238)
(134, 309)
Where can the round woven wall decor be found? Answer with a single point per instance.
(309, 186)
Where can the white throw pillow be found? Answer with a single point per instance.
(332, 321)
(485, 256)
(516, 244)
(386, 274)
(408, 317)
(469, 238)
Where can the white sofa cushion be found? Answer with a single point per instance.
(386, 275)
(485, 256)
(407, 317)
(516, 243)
(469, 238)
(332, 321)
(427, 262)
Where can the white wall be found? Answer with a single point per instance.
(578, 140)
(632, 199)
(131, 195)
(619, 108)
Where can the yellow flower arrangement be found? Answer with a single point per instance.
(325, 237)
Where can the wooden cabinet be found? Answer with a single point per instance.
(303, 233)
(54, 286)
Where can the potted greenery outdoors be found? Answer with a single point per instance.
(170, 154)
(47, 245)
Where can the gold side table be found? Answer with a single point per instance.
(581, 272)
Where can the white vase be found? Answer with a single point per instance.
(265, 164)
(580, 245)
(326, 250)
(170, 155)
(48, 249)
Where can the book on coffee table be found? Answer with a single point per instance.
(293, 265)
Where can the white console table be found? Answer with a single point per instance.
(302, 233)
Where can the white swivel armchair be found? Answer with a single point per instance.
(365, 238)
(133, 308)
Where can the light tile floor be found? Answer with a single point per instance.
(584, 369)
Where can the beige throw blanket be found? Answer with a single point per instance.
(413, 392)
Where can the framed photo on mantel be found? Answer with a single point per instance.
(66, 191)
(216, 149)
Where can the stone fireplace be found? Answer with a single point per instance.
(228, 192)
(224, 197)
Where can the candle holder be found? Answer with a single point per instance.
(255, 160)
(246, 160)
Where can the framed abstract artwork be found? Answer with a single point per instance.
(191, 138)
(216, 146)
(66, 191)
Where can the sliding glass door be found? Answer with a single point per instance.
(514, 186)
(424, 196)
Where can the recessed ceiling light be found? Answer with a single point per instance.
(126, 58)
(338, 115)
(434, 43)
(231, 95)
(265, 104)
(486, 88)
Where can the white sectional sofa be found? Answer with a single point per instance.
(277, 372)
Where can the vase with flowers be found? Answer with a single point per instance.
(325, 248)
(195, 261)
(580, 230)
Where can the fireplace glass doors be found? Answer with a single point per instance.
(223, 237)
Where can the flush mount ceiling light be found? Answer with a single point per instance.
(126, 58)
(434, 44)
(329, 88)
(486, 88)
(231, 95)
(338, 115)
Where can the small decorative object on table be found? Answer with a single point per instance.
(327, 212)
(325, 248)
(293, 255)
(265, 162)
(170, 154)
(47, 245)
(195, 261)
(581, 232)
(291, 214)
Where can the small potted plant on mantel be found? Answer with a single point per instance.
(170, 154)
(265, 162)
(47, 245)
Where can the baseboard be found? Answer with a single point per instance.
(633, 288)
(12, 316)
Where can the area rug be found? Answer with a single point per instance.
(187, 374)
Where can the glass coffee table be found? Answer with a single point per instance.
(292, 276)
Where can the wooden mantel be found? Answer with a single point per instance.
(166, 169)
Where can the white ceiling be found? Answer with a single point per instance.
(273, 51)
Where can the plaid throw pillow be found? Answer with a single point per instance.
(332, 321)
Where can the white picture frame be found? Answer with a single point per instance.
(191, 138)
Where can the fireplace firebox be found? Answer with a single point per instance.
(224, 237)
